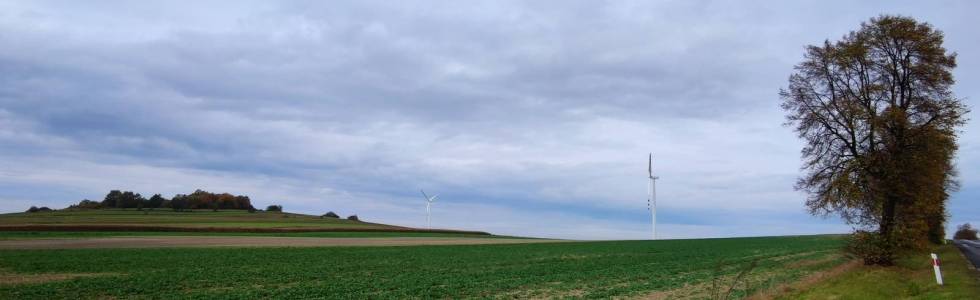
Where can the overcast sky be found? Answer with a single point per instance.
(528, 118)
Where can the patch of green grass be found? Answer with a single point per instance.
(911, 278)
(7, 235)
(574, 269)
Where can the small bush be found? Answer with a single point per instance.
(965, 232)
(872, 247)
(330, 215)
(35, 209)
(353, 218)
(275, 208)
(87, 204)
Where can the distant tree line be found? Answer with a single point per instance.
(965, 232)
(199, 199)
(35, 209)
(334, 215)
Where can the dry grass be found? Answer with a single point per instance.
(807, 281)
(753, 278)
(10, 278)
(911, 278)
(688, 291)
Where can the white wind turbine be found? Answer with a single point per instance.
(428, 204)
(652, 199)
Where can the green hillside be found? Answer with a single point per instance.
(186, 221)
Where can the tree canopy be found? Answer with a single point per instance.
(880, 125)
(199, 199)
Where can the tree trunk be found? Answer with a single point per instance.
(888, 216)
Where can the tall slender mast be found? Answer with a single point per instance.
(652, 199)
(428, 208)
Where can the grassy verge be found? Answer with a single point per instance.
(911, 278)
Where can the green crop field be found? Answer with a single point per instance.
(572, 269)
(169, 218)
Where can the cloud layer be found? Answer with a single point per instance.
(529, 118)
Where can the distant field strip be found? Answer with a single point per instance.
(271, 228)
(246, 241)
(622, 269)
(196, 221)
(161, 218)
(9, 235)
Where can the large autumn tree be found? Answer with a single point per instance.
(880, 125)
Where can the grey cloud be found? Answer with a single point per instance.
(512, 105)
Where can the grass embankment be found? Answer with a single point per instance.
(103, 220)
(911, 278)
(665, 269)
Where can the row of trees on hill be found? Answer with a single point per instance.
(334, 215)
(880, 122)
(199, 199)
(35, 209)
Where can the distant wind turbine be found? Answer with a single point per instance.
(652, 199)
(428, 204)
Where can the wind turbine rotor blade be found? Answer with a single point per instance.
(650, 165)
(424, 195)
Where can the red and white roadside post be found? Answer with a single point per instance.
(935, 267)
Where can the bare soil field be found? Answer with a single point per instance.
(247, 241)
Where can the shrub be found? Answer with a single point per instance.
(156, 201)
(330, 215)
(87, 204)
(872, 248)
(35, 209)
(965, 232)
(353, 218)
(123, 199)
(275, 208)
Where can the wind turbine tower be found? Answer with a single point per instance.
(428, 212)
(652, 198)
